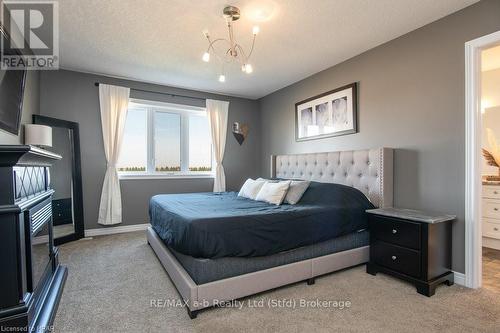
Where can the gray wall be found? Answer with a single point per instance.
(31, 101)
(411, 97)
(72, 96)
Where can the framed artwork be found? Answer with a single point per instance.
(330, 114)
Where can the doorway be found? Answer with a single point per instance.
(490, 167)
(480, 207)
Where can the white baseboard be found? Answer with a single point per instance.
(459, 278)
(115, 230)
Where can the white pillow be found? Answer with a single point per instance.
(274, 193)
(251, 188)
(296, 191)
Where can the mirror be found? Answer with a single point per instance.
(65, 180)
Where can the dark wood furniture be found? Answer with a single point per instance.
(32, 280)
(411, 245)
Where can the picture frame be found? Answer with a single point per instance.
(329, 114)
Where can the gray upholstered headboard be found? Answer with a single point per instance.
(370, 171)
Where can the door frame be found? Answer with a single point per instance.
(473, 186)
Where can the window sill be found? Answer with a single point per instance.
(125, 176)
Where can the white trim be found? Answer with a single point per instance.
(150, 140)
(115, 230)
(168, 107)
(130, 176)
(459, 278)
(473, 257)
(184, 142)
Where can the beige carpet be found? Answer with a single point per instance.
(112, 280)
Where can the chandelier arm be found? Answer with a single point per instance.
(242, 52)
(209, 43)
(211, 46)
(251, 49)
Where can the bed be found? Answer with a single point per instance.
(219, 247)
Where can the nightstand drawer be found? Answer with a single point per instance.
(491, 208)
(491, 192)
(491, 228)
(397, 258)
(397, 232)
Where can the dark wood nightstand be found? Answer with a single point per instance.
(411, 245)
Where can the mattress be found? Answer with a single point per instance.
(216, 225)
(208, 270)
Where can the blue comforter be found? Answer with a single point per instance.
(214, 225)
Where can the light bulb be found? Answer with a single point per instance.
(248, 68)
(256, 30)
(222, 78)
(243, 68)
(206, 57)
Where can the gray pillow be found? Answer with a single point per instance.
(296, 190)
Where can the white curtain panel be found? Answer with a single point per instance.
(114, 104)
(217, 118)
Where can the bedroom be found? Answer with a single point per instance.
(409, 96)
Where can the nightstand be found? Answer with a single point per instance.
(491, 214)
(411, 245)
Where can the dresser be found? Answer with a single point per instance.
(411, 245)
(491, 214)
(32, 279)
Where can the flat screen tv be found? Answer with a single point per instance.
(11, 97)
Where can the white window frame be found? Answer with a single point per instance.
(152, 107)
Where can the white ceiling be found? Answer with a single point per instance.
(490, 59)
(161, 41)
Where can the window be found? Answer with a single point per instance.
(133, 155)
(165, 140)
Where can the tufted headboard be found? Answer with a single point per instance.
(370, 171)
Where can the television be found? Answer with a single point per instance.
(12, 84)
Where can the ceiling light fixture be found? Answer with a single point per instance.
(235, 52)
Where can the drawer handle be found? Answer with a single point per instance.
(495, 192)
(394, 257)
(495, 209)
(394, 231)
(495, 228)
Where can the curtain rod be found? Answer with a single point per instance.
(162, 93)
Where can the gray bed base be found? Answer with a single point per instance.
(369, 170)
(202, 296)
